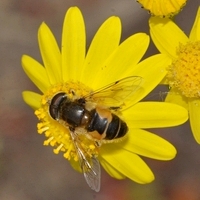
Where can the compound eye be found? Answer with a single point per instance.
(55, 105)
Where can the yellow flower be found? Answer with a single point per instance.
(72, 71)
(163, 8)
(184, 71)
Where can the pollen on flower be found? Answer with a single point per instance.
(184, 72)
(163, 8)
(57, 133)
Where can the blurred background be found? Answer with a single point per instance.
(30, 171)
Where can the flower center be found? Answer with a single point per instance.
(163, 8)
(58, 134)
(184, 72)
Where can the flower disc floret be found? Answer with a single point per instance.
(184, 73)
(57, 132)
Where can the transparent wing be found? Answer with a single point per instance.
(117, 95)
(93, 174)
(90, 166)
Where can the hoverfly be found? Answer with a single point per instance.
(95, 113)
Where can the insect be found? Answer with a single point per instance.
(96, 114)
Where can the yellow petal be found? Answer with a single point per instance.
(103, 44)
(148, 144)
(174, 97)
(32, 99)
(163, 8)
(36, 72)
(166, 35)
(155, 115)
(73, 44)
(127, 163)
(50, 53)
(195, 31)
(152, 70)
(110, 170)
(194, 111)
(164, 81)
(128, 54)
(75, 165)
